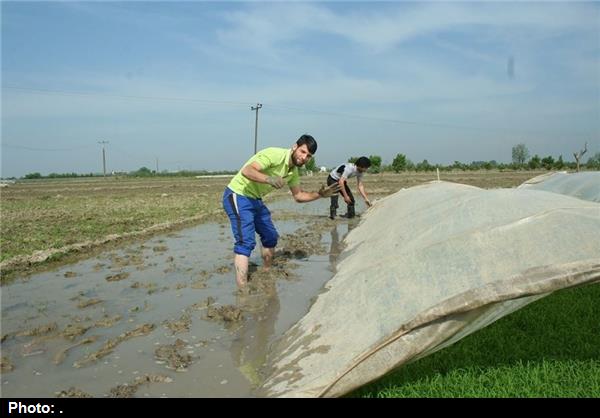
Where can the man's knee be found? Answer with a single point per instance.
(244, 240)
(270, 240)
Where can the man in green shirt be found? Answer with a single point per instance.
(269, 169)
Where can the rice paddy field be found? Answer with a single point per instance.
(550, 348)
(49, 219)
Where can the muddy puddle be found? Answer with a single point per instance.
(163, 317)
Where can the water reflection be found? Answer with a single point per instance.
(261, 307)
(336, 244)
(250, 346)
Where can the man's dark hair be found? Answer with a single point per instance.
(310, 142)
(363, 162)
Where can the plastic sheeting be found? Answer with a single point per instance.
(585, 185)
(426, 267)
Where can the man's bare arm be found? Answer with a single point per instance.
(363, 192)
(342, 183)
(253, 172)
(301, 196)
(325, 191)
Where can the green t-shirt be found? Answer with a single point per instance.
(273, 162)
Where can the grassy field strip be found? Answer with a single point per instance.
(550, 348)
(43, 255)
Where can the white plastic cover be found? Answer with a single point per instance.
(426, 267)
(584, 185)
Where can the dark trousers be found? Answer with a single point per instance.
(334, 198)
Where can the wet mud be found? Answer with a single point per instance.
(171, 355)
(164, 318)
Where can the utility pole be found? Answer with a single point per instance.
(157, 165)
(103, 156)
(258, 106)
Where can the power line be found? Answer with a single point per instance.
(44, 149)
(147, 159)
(406, 122)
(275, 106)
(121, 96)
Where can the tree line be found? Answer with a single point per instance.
(521, 160)
(141, 172)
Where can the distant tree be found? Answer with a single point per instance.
(478, 165)
(62, 175)
(311, 165)
(548, 162)
(33, 176)
(424, 166)
(458, 165)
(594, 161)
(143, 171)
(375, 164)
(520, 154)
(399, 163)
(352, 159)
(535, 162)
(579, 154)
(385, 168)
(559, 164)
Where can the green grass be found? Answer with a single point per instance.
(45, 214)
(550, 348)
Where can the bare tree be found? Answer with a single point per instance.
(579, 155)
(520, 154)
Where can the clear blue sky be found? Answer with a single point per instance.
(441, 81)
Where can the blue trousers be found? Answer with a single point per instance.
(249, 216)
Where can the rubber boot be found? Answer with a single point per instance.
(332, 213)
(350, 214)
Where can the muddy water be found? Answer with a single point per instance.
(145, 321)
